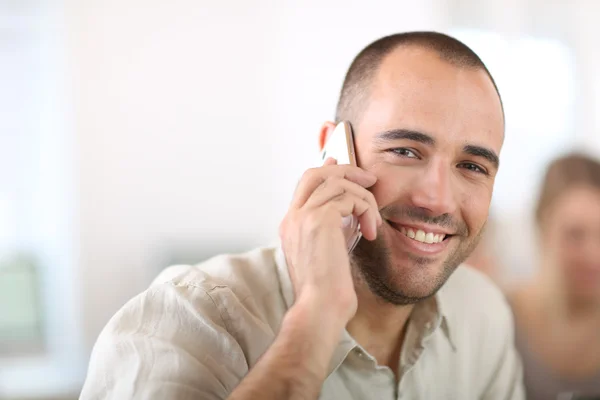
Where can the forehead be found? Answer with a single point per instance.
(415, 89)
(578, 204)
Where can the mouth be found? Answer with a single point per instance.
(421, 240)
(420, 235)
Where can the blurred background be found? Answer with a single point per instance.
(137, 134)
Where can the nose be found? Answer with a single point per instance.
(432, 190)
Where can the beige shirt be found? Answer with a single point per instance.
(198, 330)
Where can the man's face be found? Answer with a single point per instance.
(431, 132)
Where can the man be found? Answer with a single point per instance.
(398, 317)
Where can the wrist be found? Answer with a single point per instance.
(326, 310)
(310, 333)
(315, 320)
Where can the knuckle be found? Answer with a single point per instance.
(310, 174)
(338, 189)
(288, 224)
(331, 188)
(331, 182)
(371, 198)
(312, 221)
(365, 205)
(343, 205)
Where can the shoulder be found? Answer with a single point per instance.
(245, 273)
(242, 287)
(482, 328)
(211, 320)
(470, 289)
(225, 296)
(200, 292)
(476, 306)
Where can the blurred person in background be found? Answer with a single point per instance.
(398, 317)
(558, 312)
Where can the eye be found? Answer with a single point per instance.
(473, 167)
(404, 152)
(575, 234)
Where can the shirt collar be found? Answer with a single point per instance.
(430, 315)
(444, 320)
(430, 312)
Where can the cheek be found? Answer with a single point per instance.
(475, 207)
(574, 253)
(391, 186)
(394, 185)
(567, 252)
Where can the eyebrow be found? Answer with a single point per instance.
(416, 136)
(482, 152)
(407, 134)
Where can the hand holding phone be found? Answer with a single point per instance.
(340, 146)
(314, 243)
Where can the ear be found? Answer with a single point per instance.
(326, 130)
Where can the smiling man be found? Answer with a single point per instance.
(398, 317)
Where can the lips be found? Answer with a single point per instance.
(422, 240)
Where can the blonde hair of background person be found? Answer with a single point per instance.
(558, 312)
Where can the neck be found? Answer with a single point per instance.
(379, 326)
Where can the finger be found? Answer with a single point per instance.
(334, 187)
(369, 223)
(314, 177)
(348, 204)
(330, 161)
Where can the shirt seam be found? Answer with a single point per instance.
(221, 310)
(207, 291)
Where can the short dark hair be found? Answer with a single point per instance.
(365, 65)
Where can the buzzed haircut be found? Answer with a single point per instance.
(364, 67)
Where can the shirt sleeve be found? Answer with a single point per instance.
(170, 342)
(507, 378)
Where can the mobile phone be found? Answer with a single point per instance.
(340, 145)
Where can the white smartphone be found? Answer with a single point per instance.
(340, 145)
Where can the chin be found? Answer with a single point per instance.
(417, 276)
(398, 276)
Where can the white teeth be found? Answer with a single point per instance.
(429, 238)
(421, 236)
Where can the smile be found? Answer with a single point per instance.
(422, 236)
(421, 240)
